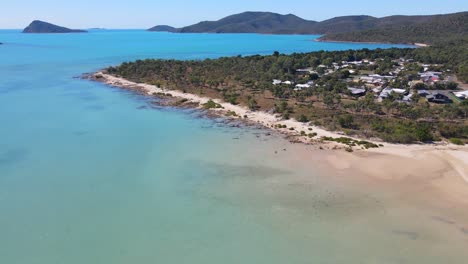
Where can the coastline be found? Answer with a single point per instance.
(271, 121)
(380, 162)
(417, 45)
(267, 120)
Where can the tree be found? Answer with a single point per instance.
(329, 101)
(423, 133)
(303, 119)
(346, 121)
(252, 103)
(462, 72)
(452, 86)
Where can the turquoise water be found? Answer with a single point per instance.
(93, 174)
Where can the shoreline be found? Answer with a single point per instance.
(267, 120)
(416, 45)
(441, 167)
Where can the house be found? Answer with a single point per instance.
(399, 91)
(277, 82)
(367, 79)
(355, 62)
(386, 93)
(377, 90)
(407, 98)
(461, 95)
(357, 91)
(302, 86)
(430, 76)
(423, 93)
(438, 98)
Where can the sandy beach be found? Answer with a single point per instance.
(442, 166)
(272, 121)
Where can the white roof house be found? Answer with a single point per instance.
(277, 82)
(407, 98)
(399, 91)
(386, 92)
(301, 86)
(357, 91)
(461, 95)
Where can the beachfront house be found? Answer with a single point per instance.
(277, 82)
(388, 91)
(423, 93)
(385, 93)
(461, 95)
(407, 98)
(399, 91)
(299, 87)
(438, 98)
(357, 91)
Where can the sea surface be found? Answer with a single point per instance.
(97, 175)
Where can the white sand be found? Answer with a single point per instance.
(393, 159)
(262, 118)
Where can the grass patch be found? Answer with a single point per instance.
(211, 105)
(351, 142)
(457, 141)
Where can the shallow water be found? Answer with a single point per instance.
(92, 174)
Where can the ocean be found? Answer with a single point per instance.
(95, 174)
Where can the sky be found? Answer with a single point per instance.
(15, 14)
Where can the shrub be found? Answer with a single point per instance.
(231, 113)
(303, 119)
(346, 121)
(457, 141)
(211, 104)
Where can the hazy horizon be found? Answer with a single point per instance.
(141, 14)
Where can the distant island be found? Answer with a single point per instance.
(38, 26)
(392, 29)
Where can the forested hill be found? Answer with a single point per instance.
(43, 27)
(402, 29)
(249, 22)
(395, 29)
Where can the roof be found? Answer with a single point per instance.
(423, 92)
(399, 91)
(463, 94)
(356, 90)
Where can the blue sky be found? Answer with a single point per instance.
(147, 13)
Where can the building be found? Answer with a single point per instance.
(388, 91)
(438, 98)
(357, 91)
(461, 95)
(277, 82)
(302, 86)
(423, 93)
